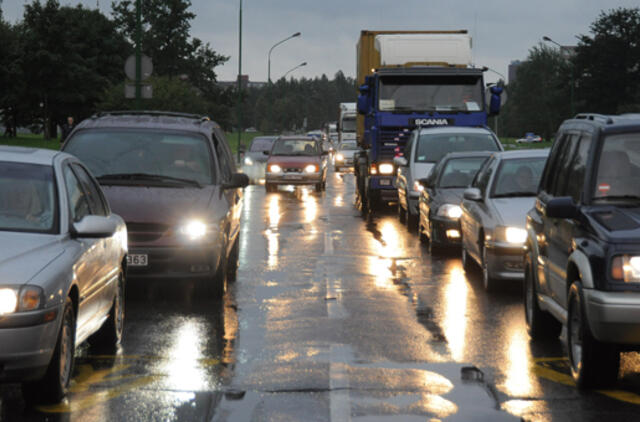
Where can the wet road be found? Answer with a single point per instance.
(332, 317)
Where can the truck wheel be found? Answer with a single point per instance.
(593, 363)
(540, 324)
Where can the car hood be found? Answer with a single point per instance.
(23, 255)
(293, 161)
(159, 204)
(512, 212)
(258, 156)
(618, 224)
(450, 195)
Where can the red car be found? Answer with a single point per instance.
(295, 160)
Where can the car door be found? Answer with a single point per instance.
(474, 212)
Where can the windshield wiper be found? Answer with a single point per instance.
(145, 176)
(514, 194)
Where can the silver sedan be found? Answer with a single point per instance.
(62, 264)
(494, 213)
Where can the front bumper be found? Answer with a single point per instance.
(614, 317)
(443, 230)
(176, 262)
(294, 178)
(505, 261)
(27, 344)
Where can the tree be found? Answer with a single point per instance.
(607, 63)
(10, 70)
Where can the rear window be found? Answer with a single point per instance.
(301, 147)
(261, 144)
(432, 147)
(348, 146)
(459, 172)
(518, 177)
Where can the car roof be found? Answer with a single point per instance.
(467, 154)
(29, 155)
(149, 120)
(629, 122)
(297, 138)
(454, 129)
(522, 153)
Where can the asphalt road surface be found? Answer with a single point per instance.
(332, 317)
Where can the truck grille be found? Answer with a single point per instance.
(390, 139)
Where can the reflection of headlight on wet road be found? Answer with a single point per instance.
(194, 229)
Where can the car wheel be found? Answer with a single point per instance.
(324, 186)
(218, 285)
(593, 363)
(401, 215)
(269, 187)
(488, 282)
(411, 220)
(465, 258)
(54, 385)
(540, 324)
(109, 336)
(232, 269)
(424, 239)
(318, 187)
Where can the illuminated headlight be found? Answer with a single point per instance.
(194, 230)
(311, 168)
(451, 211)
(417, 186)
(20, 299)
(626, 268)
(248, 161)
(339, 157)
(274, 168)
(8, 301)
(385, 168)
(512, 235)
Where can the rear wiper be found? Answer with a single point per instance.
(514, 194)
(145, 176)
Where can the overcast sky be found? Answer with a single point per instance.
(502, 30)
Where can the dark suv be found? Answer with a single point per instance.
(582, 261)
(172, 178)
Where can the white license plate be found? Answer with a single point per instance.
(137, 260)
(385, 182)
(292, 177)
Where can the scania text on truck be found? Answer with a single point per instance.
(410, 79)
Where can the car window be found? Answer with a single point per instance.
(618, 175)
(94, 197)
(223, 160)
(159, 153)
(28, 200)
(302, 147)
(548, 174)
(561, 173)
(409, 146)
(459, 172)
(577, 168)
(518, 177)
(221, 142)
(432, 147)
(77, 198)
(484, 175)
(261, 144)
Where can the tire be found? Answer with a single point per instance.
(218, 284)
(318, 187)
(592, 363)
(424, 239)
(540, 324)
(324, 186)
(232, 268)
(465, 258)
(401, 214)
(488, 282)
(270, 187)
(109, 336)
(411, 220)
(54, 385)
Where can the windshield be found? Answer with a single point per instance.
(619, 168)
(432, 147)
(295, 147)
(518, 177)
(459, 172)
(431, 93)
(348, 146)
(27, 198)
(349, 124)
(117, 152)
(261, 144)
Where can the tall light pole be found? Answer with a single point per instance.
(240, 84)
(297, 34)
(545, 38)
(294, 68)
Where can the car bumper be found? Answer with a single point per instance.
(27, 344)
(505, 262)
(176, 262)
(614, 317)
(446, 232)
(294, 178)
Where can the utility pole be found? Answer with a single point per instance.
(240, 85)
(138, 55)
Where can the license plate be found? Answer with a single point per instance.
(137, 260)
(385, 182)
(293, 177)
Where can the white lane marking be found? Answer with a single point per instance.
(339, 385)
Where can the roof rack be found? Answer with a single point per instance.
(149, 113)
(595, 117)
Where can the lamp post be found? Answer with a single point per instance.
(297, 34)
(294, 68)
(545, 38)
(240, 84)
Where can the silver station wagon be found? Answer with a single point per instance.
(62, 266)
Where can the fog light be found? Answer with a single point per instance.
(453, 234)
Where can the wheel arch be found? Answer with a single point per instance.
(579, 268)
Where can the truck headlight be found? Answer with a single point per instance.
(451, 211)
(626, 268)
(513, 235)
(193, 229)
(311, 168)
(8, 301)
(339, 157)
(385, 168)
(274, 168)
(248, 161)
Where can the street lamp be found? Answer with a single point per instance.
(294, 68)
(297, 34)
(545, 38)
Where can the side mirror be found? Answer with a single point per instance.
(238, 180)
(266, 152)
(93, 227)
(426, 182)
(363, 102)
(562, 207)
(472, 194)
(400, 161)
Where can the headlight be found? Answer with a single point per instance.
(194, 229)
(311, 168)
(339, 157)
(274, 168)
(417, 186)
(8, 301)
(626, 268)
(512, 235)
(248, 161)
(385, 168)
(451, 211)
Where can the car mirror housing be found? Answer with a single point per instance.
(238, 180)
(93, 226)
(266, 152)
(562, 207)
(472, 194)
(426, 182)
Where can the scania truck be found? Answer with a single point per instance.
(411, 79)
